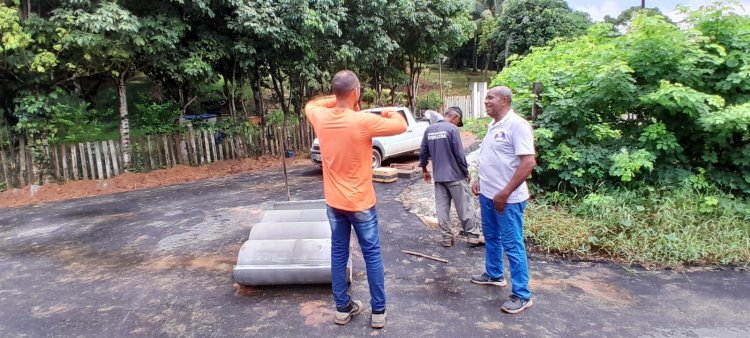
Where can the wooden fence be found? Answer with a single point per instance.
(101, 160)
(472, 104)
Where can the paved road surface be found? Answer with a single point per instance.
(157, 262)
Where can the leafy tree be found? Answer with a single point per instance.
(650, 105)
(107, 38)
(428, 30)
(624, 19)
(527, 23)
(368, 44)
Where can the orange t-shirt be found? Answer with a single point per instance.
(345, 139)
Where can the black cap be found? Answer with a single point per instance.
(460, 115)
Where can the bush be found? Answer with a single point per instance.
(646, 107)
(156, 117)
(368, 96)
(431, 101)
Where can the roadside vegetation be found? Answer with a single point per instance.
(643, 140)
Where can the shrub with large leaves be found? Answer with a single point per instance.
(656, 103)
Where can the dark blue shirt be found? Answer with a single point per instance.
(442, 143)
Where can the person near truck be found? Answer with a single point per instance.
(345, 136)
(506, 159)
(442, 144)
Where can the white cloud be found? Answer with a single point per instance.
(615, 7)
(609, 7)
(676, 16)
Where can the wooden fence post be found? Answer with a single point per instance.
(107, 164)
(64, 158)
(115, 165)
(92, 164)
(74, 163)
(6, 174)
(98, 156)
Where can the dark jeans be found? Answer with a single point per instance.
(365, 224)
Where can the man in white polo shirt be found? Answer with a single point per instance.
(506, 160)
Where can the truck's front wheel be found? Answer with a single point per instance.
(377, 159)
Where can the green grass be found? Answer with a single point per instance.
(458, 80)
(477, 127)
(647, 226)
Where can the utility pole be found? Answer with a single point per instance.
(643, 4)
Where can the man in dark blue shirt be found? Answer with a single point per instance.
(442, 144)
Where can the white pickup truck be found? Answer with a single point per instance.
(388, 146)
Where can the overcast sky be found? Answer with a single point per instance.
(598, 9)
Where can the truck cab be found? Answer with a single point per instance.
(385, 147)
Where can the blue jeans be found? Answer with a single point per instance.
(504, 232)
(365, 224)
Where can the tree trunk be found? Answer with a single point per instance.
(181, 121)
(278, 87)
(228, 93)
(378, 86)
(412, 90)
(475, 55)
(486, 63)
(255, 84)
(124, 124)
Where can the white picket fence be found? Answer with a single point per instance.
(472, 105)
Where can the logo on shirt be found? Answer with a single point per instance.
(437, 135)
(502, 136)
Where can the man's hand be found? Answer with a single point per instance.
(475, 188)
(426, 175)
(499, 201)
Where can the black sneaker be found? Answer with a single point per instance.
(485, 279)
(515, 304)
(344, 317)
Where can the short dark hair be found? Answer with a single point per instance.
(343, 82)
(455, 110)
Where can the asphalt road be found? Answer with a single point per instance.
(157, 262)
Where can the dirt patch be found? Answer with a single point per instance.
(203, 263)
(316, 313)
(132, 181)
(595, 290)
(490, 325)
(243, 290)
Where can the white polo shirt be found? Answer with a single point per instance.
(499, 156)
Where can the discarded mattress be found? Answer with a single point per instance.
(290, 245)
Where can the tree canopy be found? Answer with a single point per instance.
(659, 103)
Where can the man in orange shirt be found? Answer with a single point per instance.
(345, 136)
